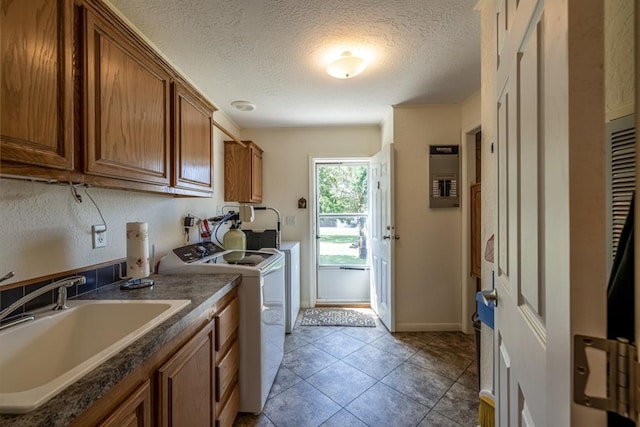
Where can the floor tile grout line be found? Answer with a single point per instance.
(437, 373)
(409, 351)
(445, 393)
(348, 403)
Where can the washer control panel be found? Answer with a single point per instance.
(197, 251)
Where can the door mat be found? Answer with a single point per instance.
(336, 317)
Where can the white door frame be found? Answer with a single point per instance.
(313, 159)
(468, 283)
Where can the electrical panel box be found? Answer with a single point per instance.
(444, 166)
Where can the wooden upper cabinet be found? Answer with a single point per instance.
(242, 172)
(192, 141)
(36, 83)
(127, 101)
(256, 173)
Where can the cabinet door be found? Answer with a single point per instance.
(127, 94)
(242, 172)
(256, 174)
(187, 383)
(237, 172)
(36, 83)
(228, 412)
(227, 371)
(134, 411)
(193, 141)
(226, 324)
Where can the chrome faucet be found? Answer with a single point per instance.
(60, 285)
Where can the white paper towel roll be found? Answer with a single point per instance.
(137, 250)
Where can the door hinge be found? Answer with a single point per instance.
(623, 379)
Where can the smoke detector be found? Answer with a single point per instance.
(243, 105)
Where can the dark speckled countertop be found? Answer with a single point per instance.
(203, 290)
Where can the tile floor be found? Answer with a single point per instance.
(359, 376)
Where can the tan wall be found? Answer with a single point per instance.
(471, 113)
(287, 177)
(44, 231)
(387, 128)
(619, 58)
(428, 253)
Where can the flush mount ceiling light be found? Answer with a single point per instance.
(243, 105)
(346, 66)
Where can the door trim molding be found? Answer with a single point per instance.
(313, 160)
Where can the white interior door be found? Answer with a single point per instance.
(519, 341)
(383, 236)
(549, 258)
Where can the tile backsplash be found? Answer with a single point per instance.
(96, 278)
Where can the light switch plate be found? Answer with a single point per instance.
(290, 220)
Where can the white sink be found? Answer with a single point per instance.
(40, 358)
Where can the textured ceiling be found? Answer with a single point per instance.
(274, 53)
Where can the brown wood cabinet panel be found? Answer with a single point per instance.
(127, 99)
(36, 83)
(227, 370)
(227, 413)
(476, 230)
(242, 172)
(256, 173)
(226, 324)
(134, 411)
(187, 383)
(192, 141)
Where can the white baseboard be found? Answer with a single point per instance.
(428, 327)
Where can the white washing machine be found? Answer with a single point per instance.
(261, 300)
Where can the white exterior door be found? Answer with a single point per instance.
(383, 237)
(549, 220)
(341, 217)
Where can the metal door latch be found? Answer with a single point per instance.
(623, 382)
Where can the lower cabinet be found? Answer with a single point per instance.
(134, 411)
(227, 364)
(187, 383)
(192, 381)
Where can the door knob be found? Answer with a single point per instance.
(490, 295)
(386, 237)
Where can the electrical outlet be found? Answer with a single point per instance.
(99, 233)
